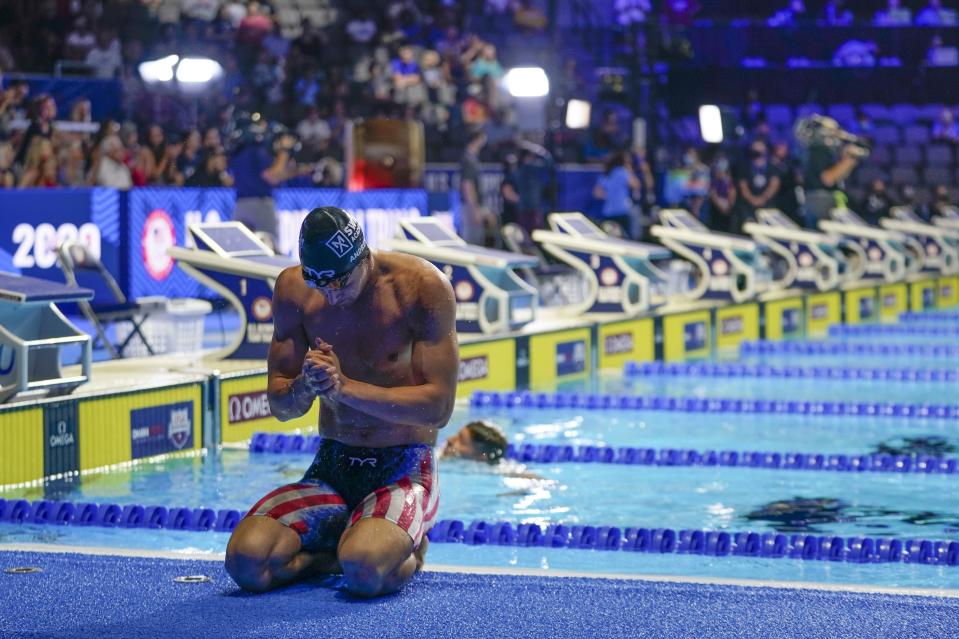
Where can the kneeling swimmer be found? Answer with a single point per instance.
(372, 334)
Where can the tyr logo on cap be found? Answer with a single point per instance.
(339, 244)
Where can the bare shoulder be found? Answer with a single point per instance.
(289, 285)
(419, 286)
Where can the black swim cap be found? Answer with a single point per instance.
(331, 243)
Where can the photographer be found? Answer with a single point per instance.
(259, 163)
(831, 155)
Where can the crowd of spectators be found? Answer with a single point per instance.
(408, 59)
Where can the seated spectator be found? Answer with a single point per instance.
(211, 138)
(527, 16)
(856, 53)
(72, 162)
(875, 204)
(895, 15)
(43, 111)
(80, 40)
(790, 16)
(190, 158)
(13, 104)
(407, 81)
(945, 129)
(111, 169)
(212, 172)
(941, 56)
(836, 14)
(680, 13)
(8, 178)
(486, 64)
(935, 15)
(361, 30)
(909, 197)
(105, 58)
(40, 167)
(202, 10)
(314, 132)
(629, 12)
(941, 201)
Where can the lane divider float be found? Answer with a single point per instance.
(699, 542)
(589, 401)
(797, 348)
(282, 443)
(767, 371)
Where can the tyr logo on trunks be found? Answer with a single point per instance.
(363, 461)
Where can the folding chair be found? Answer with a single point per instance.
(75, 259)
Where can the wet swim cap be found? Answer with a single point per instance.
(331, 243)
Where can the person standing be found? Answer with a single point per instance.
(475, 219)
(257, 167)
(758, 185)
(615, 189)
(828, 163)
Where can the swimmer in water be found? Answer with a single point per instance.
(372, 335)
(484, 442)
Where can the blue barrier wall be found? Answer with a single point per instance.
(132, 231)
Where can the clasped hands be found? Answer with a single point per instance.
(321, 371)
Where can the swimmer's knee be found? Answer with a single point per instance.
(365, 577)
(256, 546)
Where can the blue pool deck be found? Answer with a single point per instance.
(101, 593)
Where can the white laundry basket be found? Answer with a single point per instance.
(177, 329)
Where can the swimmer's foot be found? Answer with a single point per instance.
(420, 553)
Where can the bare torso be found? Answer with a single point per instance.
(373, 338)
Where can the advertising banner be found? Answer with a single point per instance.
(735, 324)
(35, 221)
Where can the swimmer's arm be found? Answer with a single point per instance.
(435, 361)
(288, 393)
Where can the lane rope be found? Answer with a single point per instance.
(767, 371)
(592, 401)
(699, 542)
(479, 532)
(796, 348)
(527, 453)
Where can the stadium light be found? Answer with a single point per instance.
(153, 71)
(711, 123)
(198, 70)
(577, 114)
(527, 82)
(189, 73)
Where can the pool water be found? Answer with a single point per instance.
(905, 505)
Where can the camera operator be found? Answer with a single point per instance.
(259, 162)
(831, 156)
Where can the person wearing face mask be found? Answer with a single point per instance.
(697, 182)
(372, 334)
(758, 183)
(876, 203)
(941, 201)
(722, 197)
